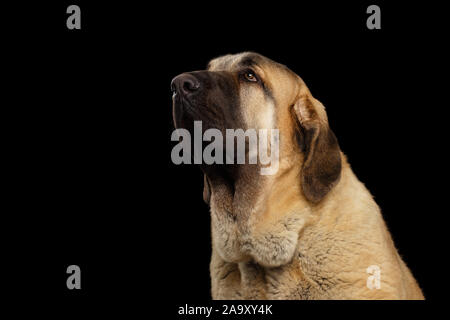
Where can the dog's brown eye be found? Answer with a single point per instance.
(250, 76)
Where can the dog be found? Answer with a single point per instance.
(311, 230)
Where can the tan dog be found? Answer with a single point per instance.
(310, 231)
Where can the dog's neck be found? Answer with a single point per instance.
(247, 213)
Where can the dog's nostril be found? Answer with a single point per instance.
(189, 85)
(185, 84)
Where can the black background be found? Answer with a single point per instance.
(93, 183)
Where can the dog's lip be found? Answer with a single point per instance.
(180, 101)
(177, 100)
(177, 97)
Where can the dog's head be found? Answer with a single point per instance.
(249, 91)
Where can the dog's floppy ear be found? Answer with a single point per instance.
(322, 163)
(206, 190)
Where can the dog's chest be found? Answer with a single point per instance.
(270, 245)
(250, 281)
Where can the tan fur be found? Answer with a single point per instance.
(270, 242)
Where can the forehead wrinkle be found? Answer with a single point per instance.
(219, 63)
(231, 62)
(248, 62)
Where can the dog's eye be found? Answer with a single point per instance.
(250, 76)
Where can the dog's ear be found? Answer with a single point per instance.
(206, 190)
(321, 168)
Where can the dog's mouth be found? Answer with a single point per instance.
(186, 113)
(181, 111)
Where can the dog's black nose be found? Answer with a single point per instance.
(185, 83)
